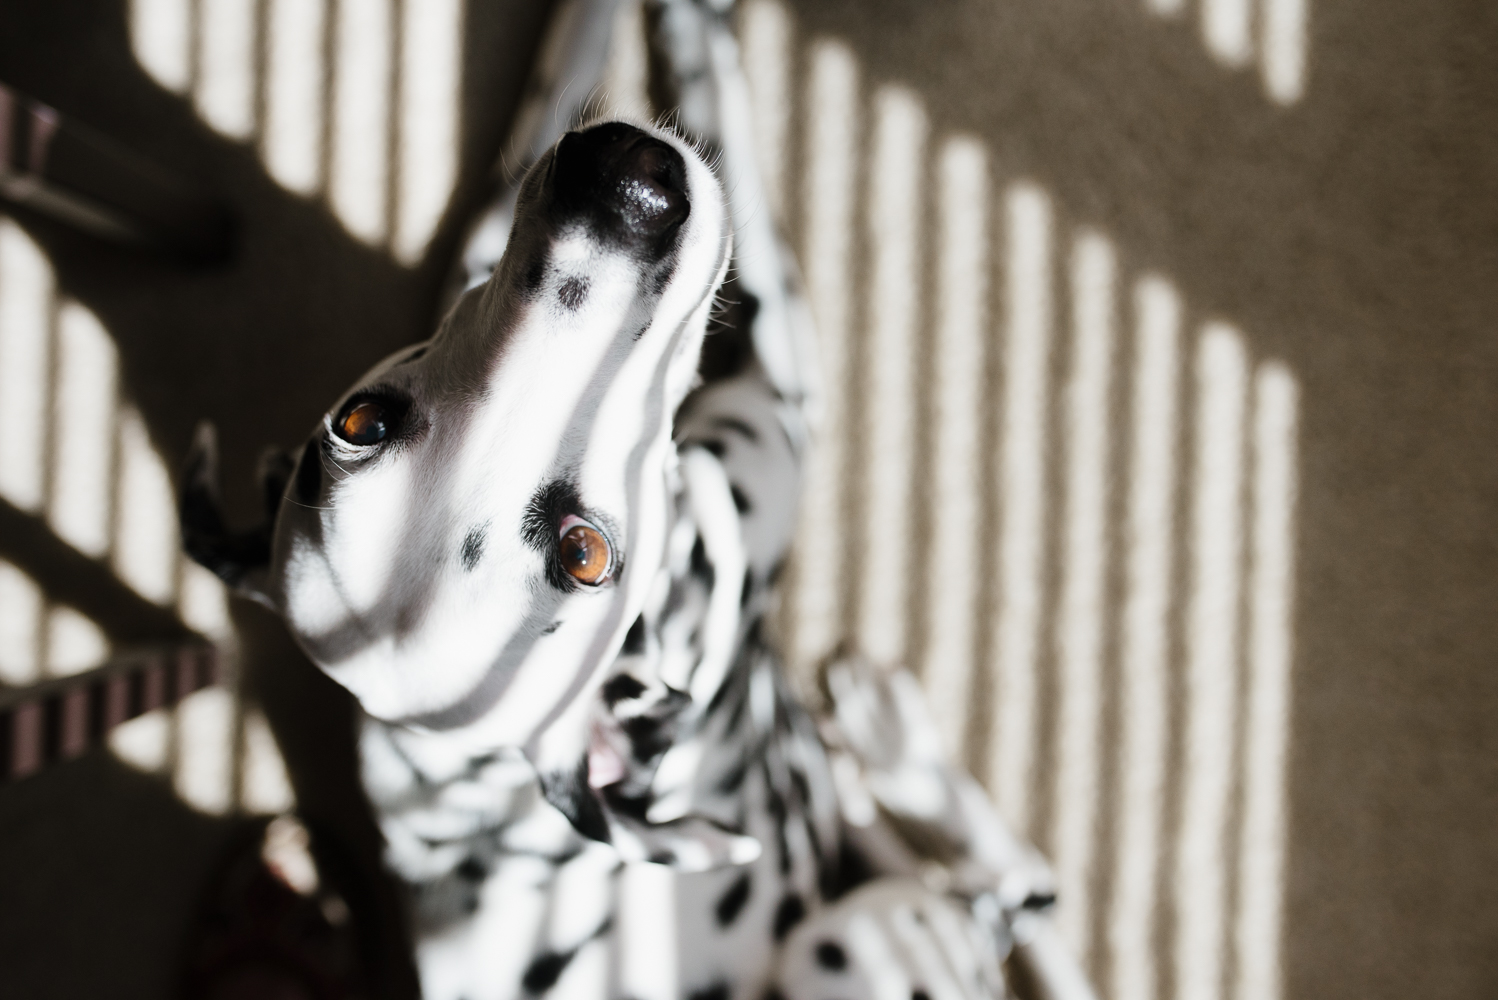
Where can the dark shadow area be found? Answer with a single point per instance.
(1351, 235)
(100, 870)
(260, 346)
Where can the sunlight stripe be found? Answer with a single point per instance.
(1261, 865)
(25, 336)
(431, 68)
(1145, 640)
(894, 212)
(294, 101)
(831, 138)
(161, 38)
(1226, 29)
(360, 138)
(954, 558)
(1284, 49)
(1079, 624)
(765, 34)
(21, 605)
(83, 420)
(225, 94)
(1212, 662)
(1021, 489)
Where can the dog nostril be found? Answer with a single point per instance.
(617, 172)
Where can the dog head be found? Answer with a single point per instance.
(471, 530)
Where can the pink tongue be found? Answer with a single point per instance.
(605, 766)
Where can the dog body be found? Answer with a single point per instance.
(540, 559)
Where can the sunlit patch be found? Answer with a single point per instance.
(955, 566)
(896, 198)
(264, 785)
(832, 131)
(362, 35)
(427, 157)
(205, 750)
(1027, 286)
(74, 642)
(1267, 713)
(1211, 660)
(83, 439)
(145, 551)
(25, 341)
(145, 742)
(1136, 437)
(765, 33)
(203, 603)
(21, 606)
(292, 137)
(1283, 49)
(1080, 618)
(225, 86)
(77, 452)
(1226, 27)
(345, 101)
(1233, 31)
(646, 922)
(626, 73)
(1145, 638)
(161, 35)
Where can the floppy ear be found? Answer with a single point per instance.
(239, 558)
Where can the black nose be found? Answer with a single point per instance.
(624, 178)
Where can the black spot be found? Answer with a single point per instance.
(919, 995)
(633, 806)
(663, 857)
(572, 292)
(473, 547)
(621, 687)
(573, 798)
(700, 566)
(634, 639)
(471, 870)
(771, 993)
(648, 736)
(731, 903)
(535, 274)
(1039, 900)
(551, 628)
(717, 991)
(748, 590)
(544, 971)
(714, 447)
(740, 500)
(788, 914)
(730, 782)
(830, 955)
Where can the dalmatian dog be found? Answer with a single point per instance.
(540, 549)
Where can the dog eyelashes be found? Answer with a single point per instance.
(584, 552)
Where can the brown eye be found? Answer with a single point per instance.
(364, 423)
(585, 552)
